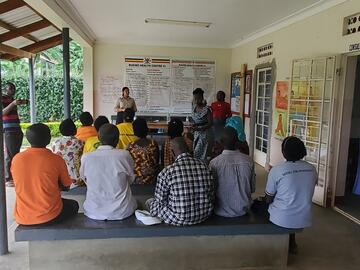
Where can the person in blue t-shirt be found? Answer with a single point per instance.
(290, 188)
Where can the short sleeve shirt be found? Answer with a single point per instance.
(126, 103)
(85, 132)
(70, 149)
(292, 184)
(108, 173)
(37, 173)
(235, 177)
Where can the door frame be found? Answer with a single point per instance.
(271, 65)
(346, 84)
(341, 128)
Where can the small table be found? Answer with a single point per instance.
(164, 125)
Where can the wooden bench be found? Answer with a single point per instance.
(218, 243)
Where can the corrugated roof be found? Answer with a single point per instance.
(3, 30)
(17, 29)
(45, 33)
(20, 17)
(18, 42)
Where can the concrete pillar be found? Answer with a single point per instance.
(88, 77)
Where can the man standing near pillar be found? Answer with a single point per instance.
(13, 135)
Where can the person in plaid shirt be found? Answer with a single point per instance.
(184, 193)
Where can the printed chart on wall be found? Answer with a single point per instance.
(188, 75)
(110, 88)
(281, 106)
(165, 85)
(235, 92)
(149, 82)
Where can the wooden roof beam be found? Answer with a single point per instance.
(14, 29)
(44, 44)
(18, 32)
(37, 47)
(13, 51)
(10, 5)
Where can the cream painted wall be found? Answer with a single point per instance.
(109, 60)
(315, 36)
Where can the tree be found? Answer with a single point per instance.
(47, 63)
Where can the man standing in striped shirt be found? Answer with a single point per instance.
(13, 135)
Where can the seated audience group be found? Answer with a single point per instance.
(187, 190)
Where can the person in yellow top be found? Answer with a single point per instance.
(126, 129)
(87, 130)
(92, 143)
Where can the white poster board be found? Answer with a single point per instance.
(110, 88)
(149, 82)
(165, 85)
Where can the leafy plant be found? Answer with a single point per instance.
(49, 97)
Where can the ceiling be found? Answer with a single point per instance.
(24, 32)
(122, 21)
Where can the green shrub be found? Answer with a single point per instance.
(54, 127)
(49, 97)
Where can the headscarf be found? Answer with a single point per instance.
(236, 123)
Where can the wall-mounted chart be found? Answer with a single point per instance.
(165, 85)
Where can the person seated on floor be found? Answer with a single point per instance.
(184, 193)
(39, 175)
(108, 173)
(70, 149)
(92, 143)
(87, 130)
(126, 128)
(234, 172)
(175, 129)
(145, 153)
(290, 188)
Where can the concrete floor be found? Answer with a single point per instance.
(332, 243)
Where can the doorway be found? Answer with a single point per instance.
(263, 105)
(347, 188)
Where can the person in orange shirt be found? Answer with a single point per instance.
(87, 130)
(39, 175)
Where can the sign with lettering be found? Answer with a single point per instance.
(354, 47)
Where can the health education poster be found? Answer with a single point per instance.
(281, 109)
(235, 92)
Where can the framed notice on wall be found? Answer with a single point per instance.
(235, 92)
(248, 89)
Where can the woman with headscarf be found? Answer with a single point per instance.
(202, 118)
(236, 123)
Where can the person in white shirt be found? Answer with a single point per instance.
(290, 188)
(108, 173)
(234, 172)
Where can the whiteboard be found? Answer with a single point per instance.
(165, 85)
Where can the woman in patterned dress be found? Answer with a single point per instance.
(202, 118)
(70, 149)
(145, 153)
